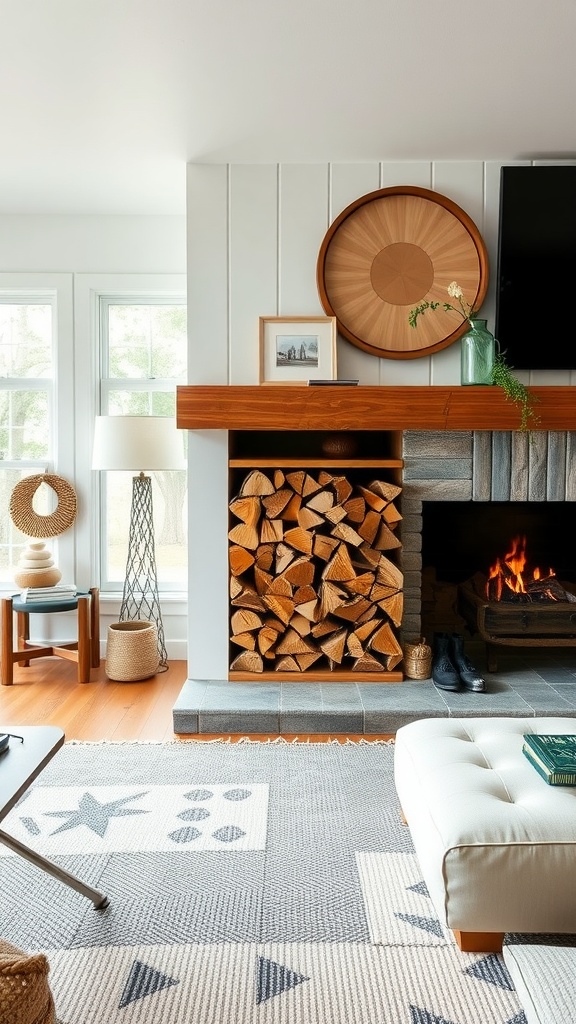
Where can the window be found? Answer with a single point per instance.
(27, 421)
(143, 358)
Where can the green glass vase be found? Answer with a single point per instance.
(477, 354)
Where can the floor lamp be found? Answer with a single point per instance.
(140, 443)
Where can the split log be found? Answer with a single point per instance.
(248, 510)
(265, 556)
(247, 640)
(336, 514)
(248, 598)
(355, 510)
(245, 535)
(287, 664)
(385, 489)
(362, 584)
(267, 637)
(340, 566)
(367, 663)
(324, 546)
(333, 645)
(247, 661)
(293, 643)
(321, 501)
(370, 525)
(240, 560)
(244, 620)
(262, 580)
(276, 502)
(283, 607)
(284, 555)
(300, 539)
(300, 572)
(256, 483)
(353, 610)
(271, 531)
(347, 533)
(308, 519)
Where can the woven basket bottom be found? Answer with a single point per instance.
(132, 651)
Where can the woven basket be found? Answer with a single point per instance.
(132, 651)
(417, 659)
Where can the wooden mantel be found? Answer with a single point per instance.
(299, 407)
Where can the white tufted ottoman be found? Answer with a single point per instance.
(496, 844)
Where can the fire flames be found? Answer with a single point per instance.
(509, 578)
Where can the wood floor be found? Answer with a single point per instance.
(47, 693)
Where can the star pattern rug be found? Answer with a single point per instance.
(254, 883)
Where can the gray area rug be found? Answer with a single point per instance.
(247, 882)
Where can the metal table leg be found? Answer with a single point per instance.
(99, 900)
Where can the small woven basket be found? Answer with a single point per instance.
(132, 651)
(417, 659)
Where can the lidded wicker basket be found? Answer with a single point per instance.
(417, 659)
(132, 651)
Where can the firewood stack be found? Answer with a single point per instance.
(311, 581)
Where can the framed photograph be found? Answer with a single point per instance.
(295, 349)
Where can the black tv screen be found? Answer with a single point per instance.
(537, 267)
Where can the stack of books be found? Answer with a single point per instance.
(59, 592)
(553, 757)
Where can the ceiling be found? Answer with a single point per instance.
(105, 101)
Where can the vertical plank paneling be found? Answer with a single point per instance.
(207, 284)
(406, 172)
(537, 445)
(462, 181)
(347, 183)
(519, 466)
(253, 263)
(302, 226)
(482, 463)
(571, 466)
(501, 465)
(350, 181)
(556, 480)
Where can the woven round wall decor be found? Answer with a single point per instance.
(30, 522)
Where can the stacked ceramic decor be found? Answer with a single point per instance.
(36, 567)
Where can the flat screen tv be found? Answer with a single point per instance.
(537, 267)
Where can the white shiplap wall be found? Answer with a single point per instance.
(253, 236)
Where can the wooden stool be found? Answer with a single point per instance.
(85, 651)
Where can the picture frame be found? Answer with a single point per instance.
(296, 349)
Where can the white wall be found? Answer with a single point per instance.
(254, 232)
(69, 249)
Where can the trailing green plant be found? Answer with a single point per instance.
(502, 374)
(515, 391)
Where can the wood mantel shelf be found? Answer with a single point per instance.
(299, 407)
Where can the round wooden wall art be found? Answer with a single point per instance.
(389, 251)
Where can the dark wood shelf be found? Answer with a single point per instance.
(299, 407)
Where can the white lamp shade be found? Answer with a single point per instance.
(141, 443)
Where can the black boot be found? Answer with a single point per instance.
(444, 674)
(470, 677)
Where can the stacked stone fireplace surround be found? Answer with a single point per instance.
(479, 466)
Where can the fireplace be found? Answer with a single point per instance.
(455, 542)
(456, 444)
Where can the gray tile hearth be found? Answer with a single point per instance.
(528, 683)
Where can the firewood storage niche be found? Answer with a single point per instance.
(316, 589)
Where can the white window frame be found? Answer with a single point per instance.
(56, 290)
(92, 388)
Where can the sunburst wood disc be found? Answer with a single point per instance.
(389, 251)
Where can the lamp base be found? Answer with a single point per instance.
(140, 599)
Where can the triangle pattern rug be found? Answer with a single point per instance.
(248, 882)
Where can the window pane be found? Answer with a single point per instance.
(146, 341)
(25, 340)
(24, 425)
(169, 510)
(141, 403)
(12, 542)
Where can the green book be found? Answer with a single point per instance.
(553, 756)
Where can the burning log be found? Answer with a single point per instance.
(309, 577)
